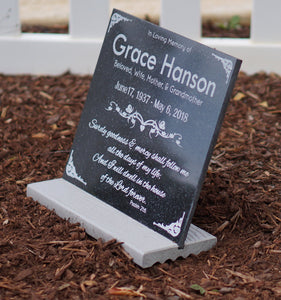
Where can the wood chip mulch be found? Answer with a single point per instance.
(209, 29)
(45, 257)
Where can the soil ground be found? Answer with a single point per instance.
(45, 257)
(209, 29)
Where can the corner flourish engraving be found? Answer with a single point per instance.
(227, 65)
(173, 229)
(71, 170)
(115, 19)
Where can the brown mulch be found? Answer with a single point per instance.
(212, 29)
(45, 257)
(44, 29)
(209, 29)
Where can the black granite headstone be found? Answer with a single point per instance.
(150, 122)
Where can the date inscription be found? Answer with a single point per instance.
(128, 90)
(145, 98)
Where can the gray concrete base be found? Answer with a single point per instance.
(101, 220)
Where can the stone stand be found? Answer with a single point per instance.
(101, 220)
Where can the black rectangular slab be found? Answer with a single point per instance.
(150, 122)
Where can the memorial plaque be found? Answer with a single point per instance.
(150, 122)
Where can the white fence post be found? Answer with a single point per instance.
(182, 16)
(77, 52)
(88, 18)
(9, 17)
(266, 21)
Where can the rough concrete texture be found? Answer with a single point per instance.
(47, 12)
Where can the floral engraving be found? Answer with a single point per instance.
(156, 128)
(71, 170)
(227, 65)
(174, 228)
(115, 19)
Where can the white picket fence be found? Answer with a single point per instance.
(77, 52)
